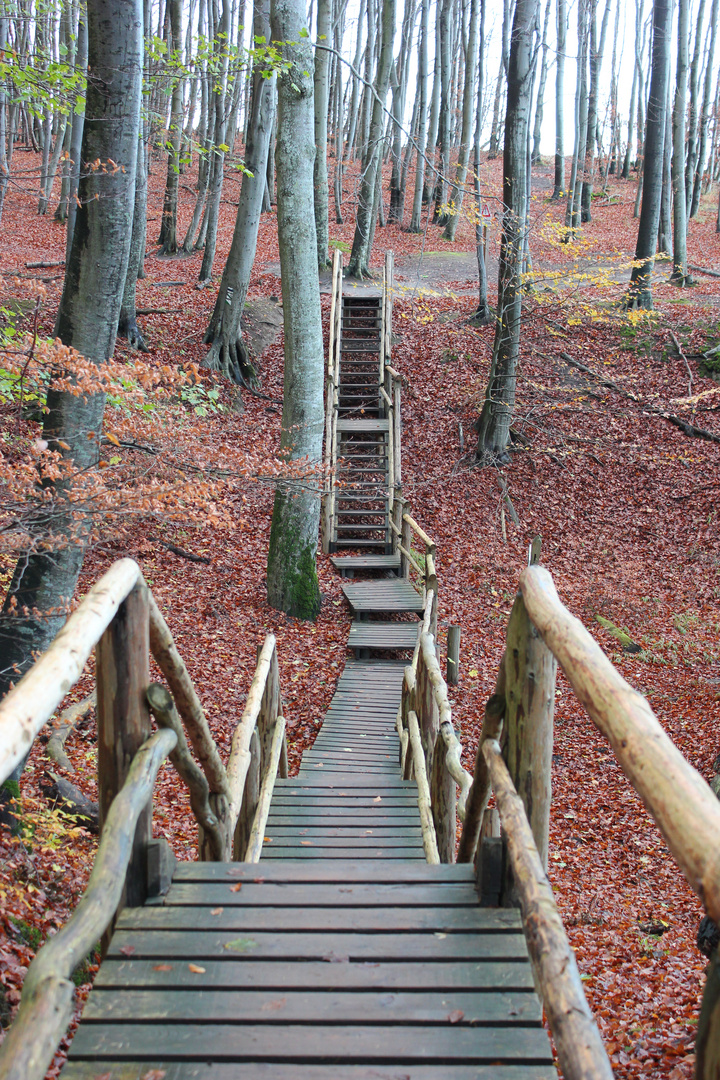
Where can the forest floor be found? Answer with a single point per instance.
(626, 504)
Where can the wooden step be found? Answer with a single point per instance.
(380, 596)
(383, 635)
(350, 564)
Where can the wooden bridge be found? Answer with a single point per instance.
(333, 927)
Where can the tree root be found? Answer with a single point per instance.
(129, 329)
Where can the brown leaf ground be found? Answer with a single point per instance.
(626, 506)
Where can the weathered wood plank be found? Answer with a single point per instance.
(344, 872)
(316, 946)
(249, 974)
(112, 1070)
(211, 894)
(360, 920)
(342, 1007)
(381, 1043)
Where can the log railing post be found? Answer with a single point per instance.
(123, 676)
(530, 670)
(406, 541)
(251, 796)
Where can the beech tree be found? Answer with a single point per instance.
(227, 353)
(46, 573)
(559, 185)
(292, 584)
(640, 294)
(372, 156)
(493, 424)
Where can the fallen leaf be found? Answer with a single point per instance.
(162, 967)
(196, 969)
(127, 950)
(217, 911)
(155, 1074)
(271, 1006)
(241, 944)
(236, 888)
(336, 958)
(456, 1016)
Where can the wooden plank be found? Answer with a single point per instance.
(338, 1007)
(259, 1042)
(113, 1070)
(425, 947)
(272, 851)
(255, 974)
(212, 894)
(265, 918)
(344, 874)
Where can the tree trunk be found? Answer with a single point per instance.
(597, 48)
(78, 125)
(45, 578)
(212, 208)
(483, 315)
(640, 294)
(502, 77)
(705, 114)
(680, 272)
(535, 158)
(693, 117)
(665, 244)
(360, 255)
(321, 98)
(559, 185)
(127, 323)
(416, 218)
(456, 198)
(397, 189)
(444, 44)
(168, 226)
(494, 421)
(631, 119)
(572, 211)
(292, 583)
(224, 334)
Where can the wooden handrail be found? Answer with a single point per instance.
(429, 544)
(453, 748)
(239, 760)
(675, 794)
(29, 705)
(47, 1001)
(580, 1049)
(427, 824)
(163, 709)
(257, 833)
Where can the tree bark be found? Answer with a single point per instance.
(693, 117)
(705, 113)
(358, 266)
(227, 353)
(292, 583)
(559, 185)
(640, 294)
(217, 157)
(494, 421)
(416, 218)
(168, 226)
(456, 198)
(321, 97)
(537, 128)
(680, 271)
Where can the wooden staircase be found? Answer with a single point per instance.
(361, 438)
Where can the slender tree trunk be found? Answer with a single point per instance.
(4, 169)
(680, 271)
(572, 212)
(559, 185)
(224, 333)
(537, 129)
(292, 584)
(355, 94)
(431, 145)
(483, 315)
(321, 98)
(416, 218)
(445, 46)
(360, 254)
(458, 192)
(397, 190)
(640, 295)
(501, 79)
(597, 48)
(693, 118)
(494, 421)
(212, 210)
(705, 113)
(631, 117)
(127, 323)
(665, 242)
(168, 227)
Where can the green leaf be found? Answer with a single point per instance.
(304, 33)
(241, 944)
